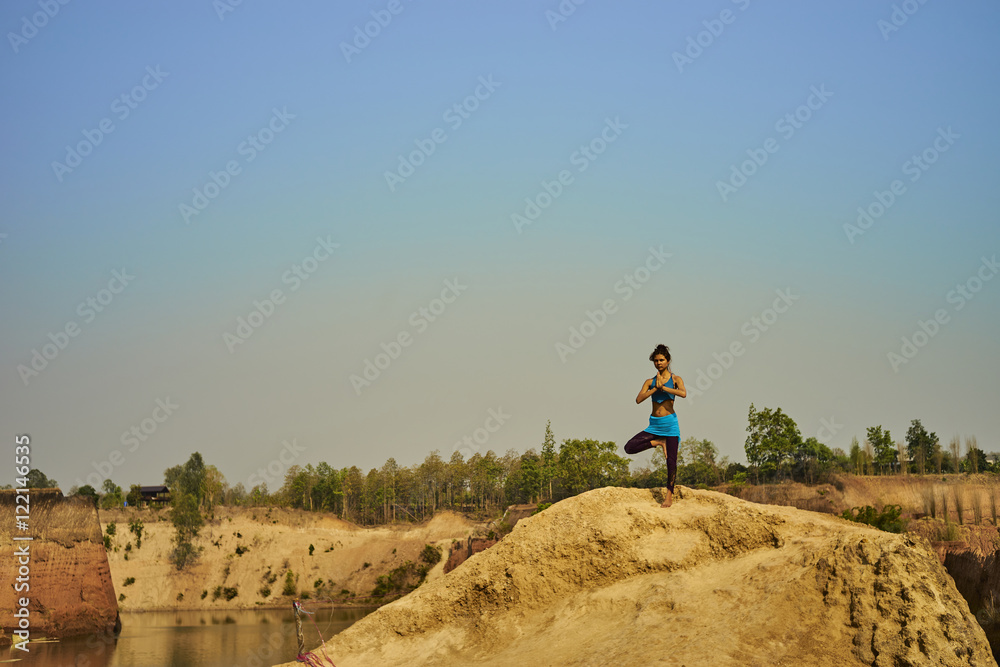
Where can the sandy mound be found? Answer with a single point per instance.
(609, 578)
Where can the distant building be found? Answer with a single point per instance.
(155, 494)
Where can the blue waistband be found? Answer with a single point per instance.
(667, 425)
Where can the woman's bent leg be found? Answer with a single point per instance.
(640, 442)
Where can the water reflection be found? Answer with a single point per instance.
(192, 639)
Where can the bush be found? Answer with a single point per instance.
(240, 550)
(311, 549)
(128, 582)
(111, 529)
(204, 594)
(541, 508)
(136, 527)
(289, 588)
(431, 554)
(229, 593)
(887, 520)
(265, 591)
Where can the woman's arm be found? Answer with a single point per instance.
(646, 391)
(678, 388)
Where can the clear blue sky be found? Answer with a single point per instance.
(205, 154)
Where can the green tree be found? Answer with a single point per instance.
(772, 439)
(549, 463)
(812, 459)
(38, 480)
(88, 492)
(920, 445)
(696, 462)
(112, 496)
(187, 522)
(589, 464)
(134, 497)
(883, 447)
(188, 479)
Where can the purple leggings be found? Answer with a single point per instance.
(640, 442)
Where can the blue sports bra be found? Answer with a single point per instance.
(659, 395)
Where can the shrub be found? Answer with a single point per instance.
(289, 588)
(121, 597)
(887, 520)
(217, 593)
(240, 550)
(229, 593)
(204, 594)
(180, 597)
(366, 565)
(111, 529)
(431, 554)
(311, 548)
(541, 508)
(265, 591)
(128, 582)
(317, 583)
(136, 527)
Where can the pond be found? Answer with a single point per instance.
(250, 638)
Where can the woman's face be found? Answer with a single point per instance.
(660, 362)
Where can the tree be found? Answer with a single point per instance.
(771, 440)
(920, 445)
(134, 497)
(883, 448)
(187, 522)
(88, 491)
(956, 452)
(696, 462)
(975, 458)
(112, 495)
(589, 464)
(38, 480)
(812, 459)
(549, 464)
(187, 479)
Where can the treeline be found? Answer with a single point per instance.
(776, 451)
(487, 482)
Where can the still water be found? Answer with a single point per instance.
(192, 639)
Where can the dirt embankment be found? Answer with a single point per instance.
(65, 573)
(247, 553)
(958, 514)
(608, 577)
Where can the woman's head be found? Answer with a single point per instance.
(660, 350)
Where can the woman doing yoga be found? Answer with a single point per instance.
(663, 430)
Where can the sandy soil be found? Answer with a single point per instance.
(608, 577)
(271, 540)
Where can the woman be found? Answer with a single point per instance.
(663, 430)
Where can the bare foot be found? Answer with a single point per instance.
(668, 498)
